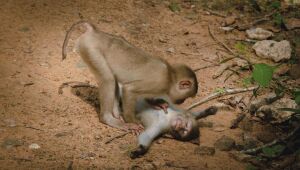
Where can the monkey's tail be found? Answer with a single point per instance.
(67, 37)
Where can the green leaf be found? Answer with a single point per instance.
(220, 90)
(240, 47)
(273, 151)
(278, 19)
(263, 74)
(251, 167)
(174, 7)
(276, 4)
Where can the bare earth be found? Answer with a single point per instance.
(66, 128)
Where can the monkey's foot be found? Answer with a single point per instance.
(138, 152)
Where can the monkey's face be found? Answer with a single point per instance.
(184, 127)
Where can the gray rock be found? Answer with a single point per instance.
(259, 34)
(205, 150)
(171, 50)
(270, 49)
(240, 156)
(273, 113)
(225, 143)
(11, 142)
(265, 136)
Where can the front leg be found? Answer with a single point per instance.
(129, 100)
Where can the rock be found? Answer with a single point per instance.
(228, 21)
(205, 124)
(11, 142)
(295, 71)
(225, 143)
(10, 122)
(219, 129)
(34, 146)
(270, 49)
(171, 50)
(227, 29)
(292, 23)
(204, 150)
(240, 156)
(250, 143)
(273, 113)
(259, 34)
(265, 136)
(246, 124)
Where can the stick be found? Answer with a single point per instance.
(226, 47)
(204, 67)
(255, 150)
(220, 94)
(116, 137)
(216, 13)
(237, 120)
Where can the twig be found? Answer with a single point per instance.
(79, 84)
(30, 127)
(236, 121)
(220, 94)
(187, 53)
(116, 137)
(216, 13)
(204, 67)
(226, 47)
(257, 149)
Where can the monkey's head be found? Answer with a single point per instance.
(185, 84)
(184, 127)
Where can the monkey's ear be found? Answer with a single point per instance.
(185, 84)
(204, 113)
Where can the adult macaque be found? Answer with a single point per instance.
(113, 60)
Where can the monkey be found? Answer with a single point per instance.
(181, 124)
(114, 60)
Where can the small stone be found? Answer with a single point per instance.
(240, 156)
(219, 129)
(229, 21)
(10, 122)
(205, 124)
(274, 50)
(204, 150)
(34, 146)
(227, 29)
(265, 136)
(259, 34)
(171, 50)
(159, 141)
(11, 142)
(246, 124)
(225, 143)
(97, 137)
(292, 23)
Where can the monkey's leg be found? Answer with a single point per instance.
(129, 101)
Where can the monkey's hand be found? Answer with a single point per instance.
(159, 104)
(138, 152)
(135, 129)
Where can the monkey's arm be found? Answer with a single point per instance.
(145, 139)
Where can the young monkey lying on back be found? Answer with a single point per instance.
(181, 124)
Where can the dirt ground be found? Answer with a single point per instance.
(66, 128)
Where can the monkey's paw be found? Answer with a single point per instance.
(138, 152)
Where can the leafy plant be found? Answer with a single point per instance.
(251, 167)
(276, 5)
(240, 47)
(263, 74)
(174, 7)
(273, 151)
(220, 90)
(278, 19)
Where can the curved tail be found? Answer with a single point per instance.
(68, 34)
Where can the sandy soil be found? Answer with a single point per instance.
(65, 127)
